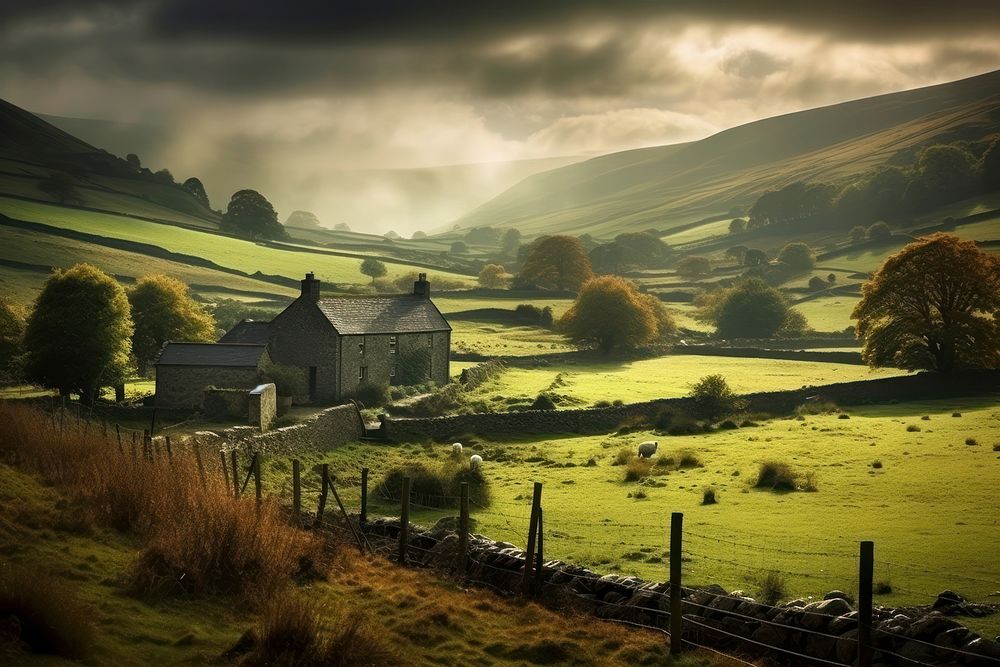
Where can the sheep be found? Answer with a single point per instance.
(456, 449)
(475, 461)
(648, 448)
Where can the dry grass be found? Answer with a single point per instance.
(42, 613)
(198, 538)
(637, 468)
(776, 476)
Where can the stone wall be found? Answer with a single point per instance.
(922, 386)
(219, 403)
(263, 405)
(330, 428)
(182, 387)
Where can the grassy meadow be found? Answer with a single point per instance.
(901, 475)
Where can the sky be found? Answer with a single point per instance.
(326, 105)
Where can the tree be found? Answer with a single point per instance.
(737, 252)
(755, 257)
(933, 305)
(493, 276)
(164, 176)
(197, 190)
(694, 267)
(556, 262)
(816, 283)
(798, 257)
(750, 309)
(858, 234)
(483, 236)
(163, 310)
(666, 325)
(133, 161)
(78, 338)
(417, 235)
(12, 324)
(991, 167)
(712, 399)
(392, 235)
(631, 250)
(510, 241)
(879, 233)
(303, 220)
(459, 248)
(947, 172)
(342, 227)
(611, 313)
(373, 267)
(251, 215)
(737, 226)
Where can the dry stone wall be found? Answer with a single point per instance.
(330, 428)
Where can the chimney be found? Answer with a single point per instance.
(310, 287)
(421, 287)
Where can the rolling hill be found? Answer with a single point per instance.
(667, 187)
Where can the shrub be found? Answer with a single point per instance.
(638, 494)
(543, 401)
(712, 398)
(448, 398)
(637, 469)
(913, 428)
(591, 463)
(688, 459)
(816, 407)
(371, 395)
(288, 380)
(771, 588)
(883, 587)
(843, 415)
(437, 486)
(623, 456)
(956, 414)
(776, 476)
(48, 617)
(877, 464)
(996, 448)
(809, 482)
(728, 425)
(708, 496)
(816, 283)
(684, 426)
(971, 442)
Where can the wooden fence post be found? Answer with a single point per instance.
(170, 452)
(676, 618)
(463, 529)
(236, 472)
(135, 453)
(297, 490)
(529, 553)
(357, 535)
(364, 495)
(325, 475)
(225, 467)
(256, 478)
(147, 444)
(404, 520)
(152, 423)
(118, 432)
(865, 576)
(196, 446)
(538, 560)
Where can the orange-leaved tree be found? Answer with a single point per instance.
(556, 262)
(933, 305)
(611, 313)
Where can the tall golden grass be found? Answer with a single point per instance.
(197, 537)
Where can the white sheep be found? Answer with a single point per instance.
(648, 448)
(456, 449)
(475, 461)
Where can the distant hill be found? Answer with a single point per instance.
(666, 187)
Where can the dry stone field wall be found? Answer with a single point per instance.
(798, 632)
(330, 428)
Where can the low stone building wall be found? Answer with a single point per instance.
(333, 427)
(263, 405)
(921, 386)
(223, 404)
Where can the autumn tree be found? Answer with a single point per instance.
(163, 310)
(694, 267)
(797, 257)
(79, 336)
(611, 313)
(493, 276)
(556, 262)
(197, 190)
(933, 305)
(251, 215)
(373, 268)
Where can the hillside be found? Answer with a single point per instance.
(669, 186)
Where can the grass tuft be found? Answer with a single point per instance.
(971, 442)
(877, 464)
(708, 496)
(771, 588)
(437, 486)
(912, 428)
(776, 476)
(637, 469)
(882, 587)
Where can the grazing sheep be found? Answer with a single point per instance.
(475, 461)
(648, 448)
(456, 449)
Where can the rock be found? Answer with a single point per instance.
(947, 598)
(821, 647)
(847, 647)
(445, 552)
(916, 651)
(983, 647)
(816, 615)
(839, 595)
(842, 624)
(930, 626)
(770, 635)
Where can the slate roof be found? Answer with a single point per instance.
(248, 331)
(382, 314)
(211, 354)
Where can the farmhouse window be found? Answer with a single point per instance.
(363, 373)
(392, 345)
(361, 347)
(392, 371)
(430, 340)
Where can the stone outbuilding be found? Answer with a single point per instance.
(184, 370)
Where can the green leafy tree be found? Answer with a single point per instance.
(858, 234)
(79, 336)
(991, 167)
(303, 220)
(459, 248)
(609, 312)
(879, 233)
(510, 242)
(737, 253)
(712, 398)
(133, 161)
(632, 250)
(417, 235)
(755, 257)
(556, 262)
(251, 215)
(163, 310)
(934, 305)
(197, 190)
(798, 257)
(12, 325)
(737, 226)
(750, 309)
(373, 268)
(694, 267)
(947, 172)
(493, 276)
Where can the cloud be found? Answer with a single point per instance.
(752, 64)
(617, 130)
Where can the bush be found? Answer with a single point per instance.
(728, 425)
(913, 428)
(712, 398)
(771, 588)
(288, 380)
(684, 426)
(883, 587)
(448, 398)
(688, 459)
(543, 402)
(956, 414)
(48, 618)
(816, 284)
(971, 442)
(776, 476)
(877, 464)
(437, 486)
(623, 456)
(708, 496)
(637, 469)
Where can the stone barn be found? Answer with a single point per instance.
(184, 370)
(343, 342)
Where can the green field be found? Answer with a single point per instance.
(585, 383)
(928, 508)
(502, 340)
(225, 251)
(828, 313)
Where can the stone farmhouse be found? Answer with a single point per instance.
(339, 343)
(184, 370)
